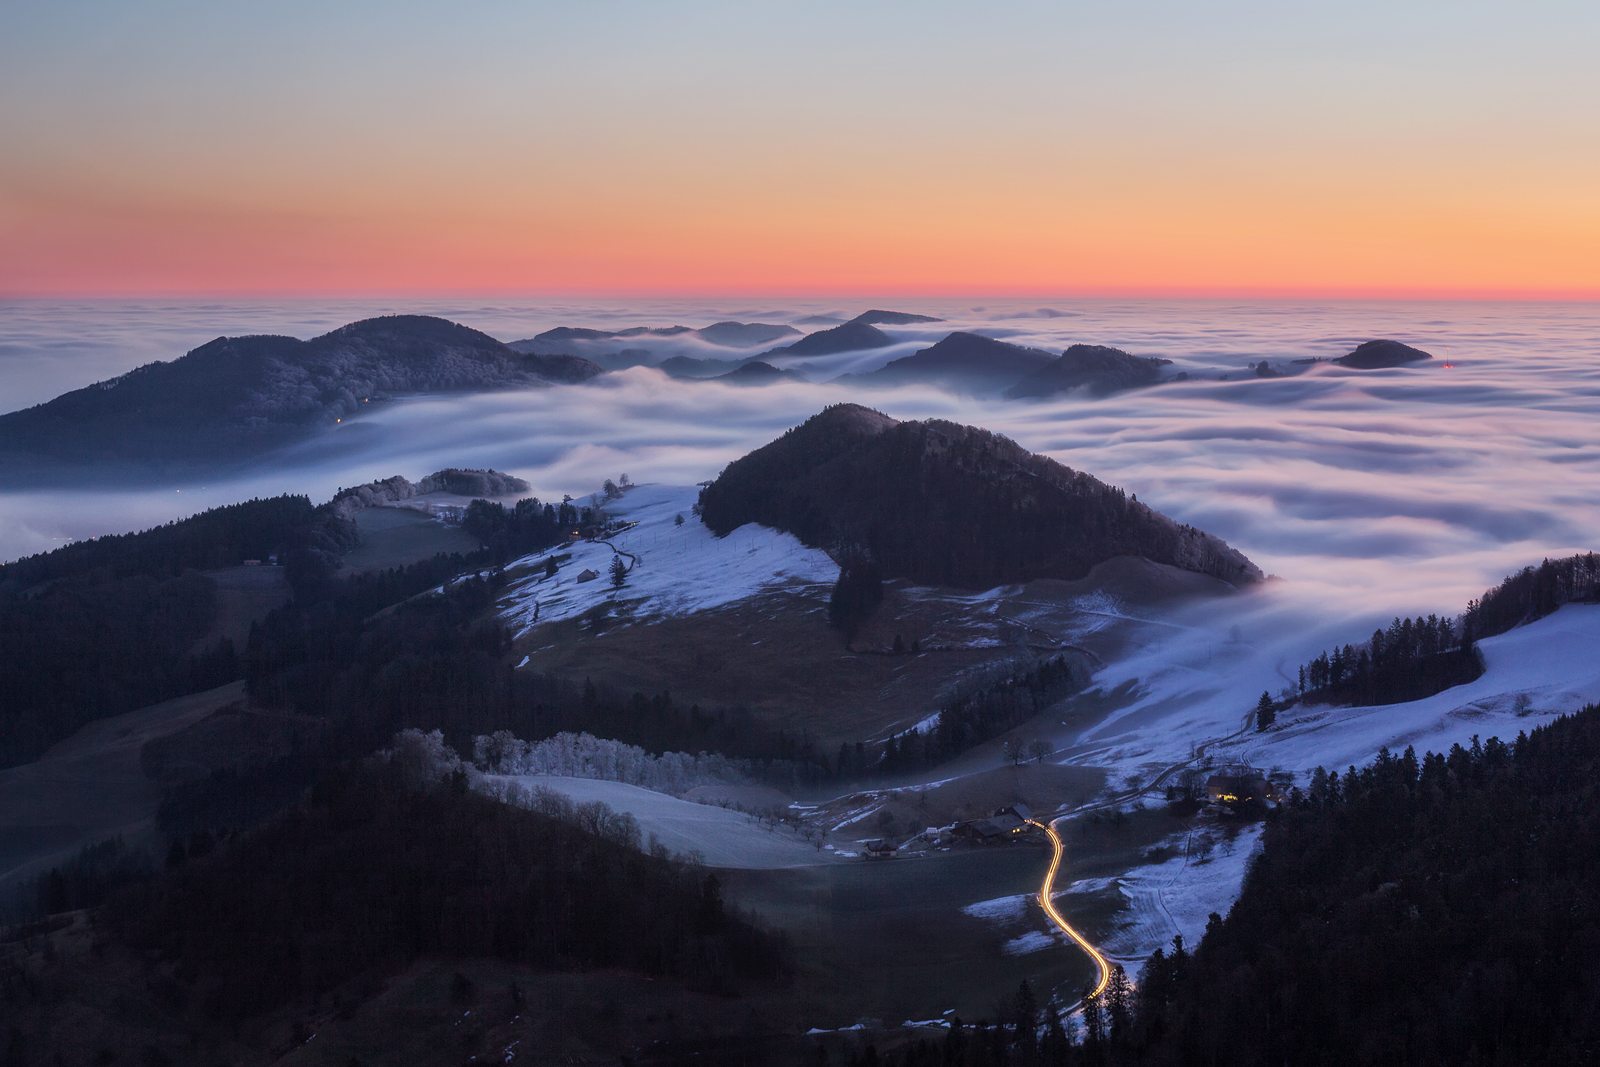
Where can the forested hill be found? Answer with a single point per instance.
(1433, 911)
(370, 873)
(235, 397)
(405, 921)
(104, 626)
(941, 503)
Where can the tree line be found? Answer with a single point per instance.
(1418, 657)
(1411, 659)
(980, 713)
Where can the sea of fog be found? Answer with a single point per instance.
(1369, 493)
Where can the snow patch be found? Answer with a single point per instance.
(1177, 896)
(1000, 909)
(676, 570)
(1032, 941)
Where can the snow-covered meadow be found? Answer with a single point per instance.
(674, 568)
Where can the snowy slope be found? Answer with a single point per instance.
(676, 570)
(1532, 674)
(1178, 895)
(722, 838)
(1191, 685)
(1199, 686)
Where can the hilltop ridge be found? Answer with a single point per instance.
(235, 398)
(939, 503)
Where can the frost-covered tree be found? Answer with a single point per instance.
(585, 756)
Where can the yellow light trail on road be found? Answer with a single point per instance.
(1047, 890)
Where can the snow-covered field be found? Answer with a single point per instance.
(1001, 909)
(1173, 896)
(1532, 674)
(719, 836)
(1178, 895)
(1193, 684)
(675, 570)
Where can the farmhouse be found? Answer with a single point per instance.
(1002, 826)
(587, 575)
(1021, 811)
(1237, 786)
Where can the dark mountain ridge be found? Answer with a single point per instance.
(851, 336)
(757, 372)
(1380, 354)
(1097, 369)
(234, 398)
(580, 340)
(879, 317)
(966, 362)
(944, 504)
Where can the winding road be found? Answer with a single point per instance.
(1047, 889)
(1046, 901)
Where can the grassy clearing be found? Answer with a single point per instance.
(774, 654)
(395, 537)
(244, 595)
(91, 786)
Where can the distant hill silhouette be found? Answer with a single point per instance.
(603, 344)
(744, 334)
(848, 337)
(1096, 369)
(757, 372)
(965, 362)
(879, 317)
(940, 503)
(235, 398)
(1376, 355)
(693, 367)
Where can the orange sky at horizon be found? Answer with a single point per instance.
(1367, 154)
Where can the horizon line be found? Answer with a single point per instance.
(1332, 294)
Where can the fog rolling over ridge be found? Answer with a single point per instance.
(1368, 491)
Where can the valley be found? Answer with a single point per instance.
(856, 683)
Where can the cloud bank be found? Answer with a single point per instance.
(1369, 492)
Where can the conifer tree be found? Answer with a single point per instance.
(1266, 713)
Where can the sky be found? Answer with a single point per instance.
(1362, 148)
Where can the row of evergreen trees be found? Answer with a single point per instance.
(1416, 658)
(981, 713)
(1533, 593)
(527, 526)
(1411, 659)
